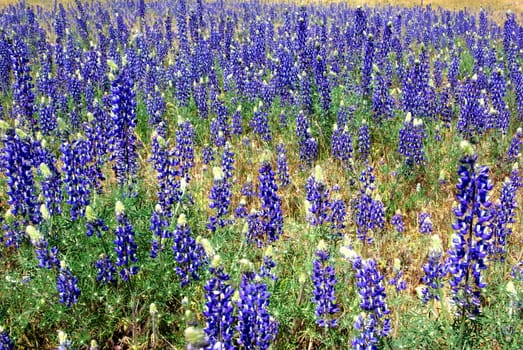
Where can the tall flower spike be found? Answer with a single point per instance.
(106, 272)
(46, 258)
(188, 253)
(271, 203)
(219, 308)
(282, 167)
(256, 327)
(67, 286)
(425, 223)
(16, 164)
(505, 212)
(76, 162)
(364, 140)
(220, 198)
(125, 246)
(397, 222)
(471, 241)
(317, 196)
(341, 146)
(123, 138)
(374, 322)
(324, 296)
(411, 138)
(369, 212)
(338, 213)
(434, 271)
(5, 341)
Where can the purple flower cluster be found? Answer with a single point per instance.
(435, 271)
(67, 286)
(317, 195)
(505, 215)
(397, 222)
(369, 212)
(471, 242)
(5, 341)
(106, 271)
(282, 170)
(76, 162)
(188, 254)
(123, 138)
(124, 244)
(219, 308)
(374, 322)
(220, 198)
(324, 295)
(341, 146)
(364, 140)
(411, 141)
(256, 327)
(16, 162)
(425, 223)
(266, 225)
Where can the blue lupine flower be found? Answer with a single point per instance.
(397, 280)
(93, 224)
(270, 202)
(515, 146)
(189, 255)
(5, 341)
(47, 259)
(123, 138)
(282, 170)
(237, 127)
(51, 188)
(228, 161)
(373, 322)
(341, 146)
(256, 328)
(76, 158)
(13, 232)
(364, 140)
(338, 213)
(23, 96)
(106, 271)
(425, 223)
(397, 222)
(16, 161)
(505, 212)
(434, 271)
(219, 308)
(67, 286)
(267, 265)
(324, 280)
(185, 148)
(369, 212)
(260, 124)
(207, 155)
(220, 198)
(125, 247)
(472, 239)
(411, 138)
(317, 196)
(159, 227)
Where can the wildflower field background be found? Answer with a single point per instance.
(184, 174)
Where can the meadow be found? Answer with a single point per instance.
(261, 175)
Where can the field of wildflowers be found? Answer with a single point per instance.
(184, 174)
